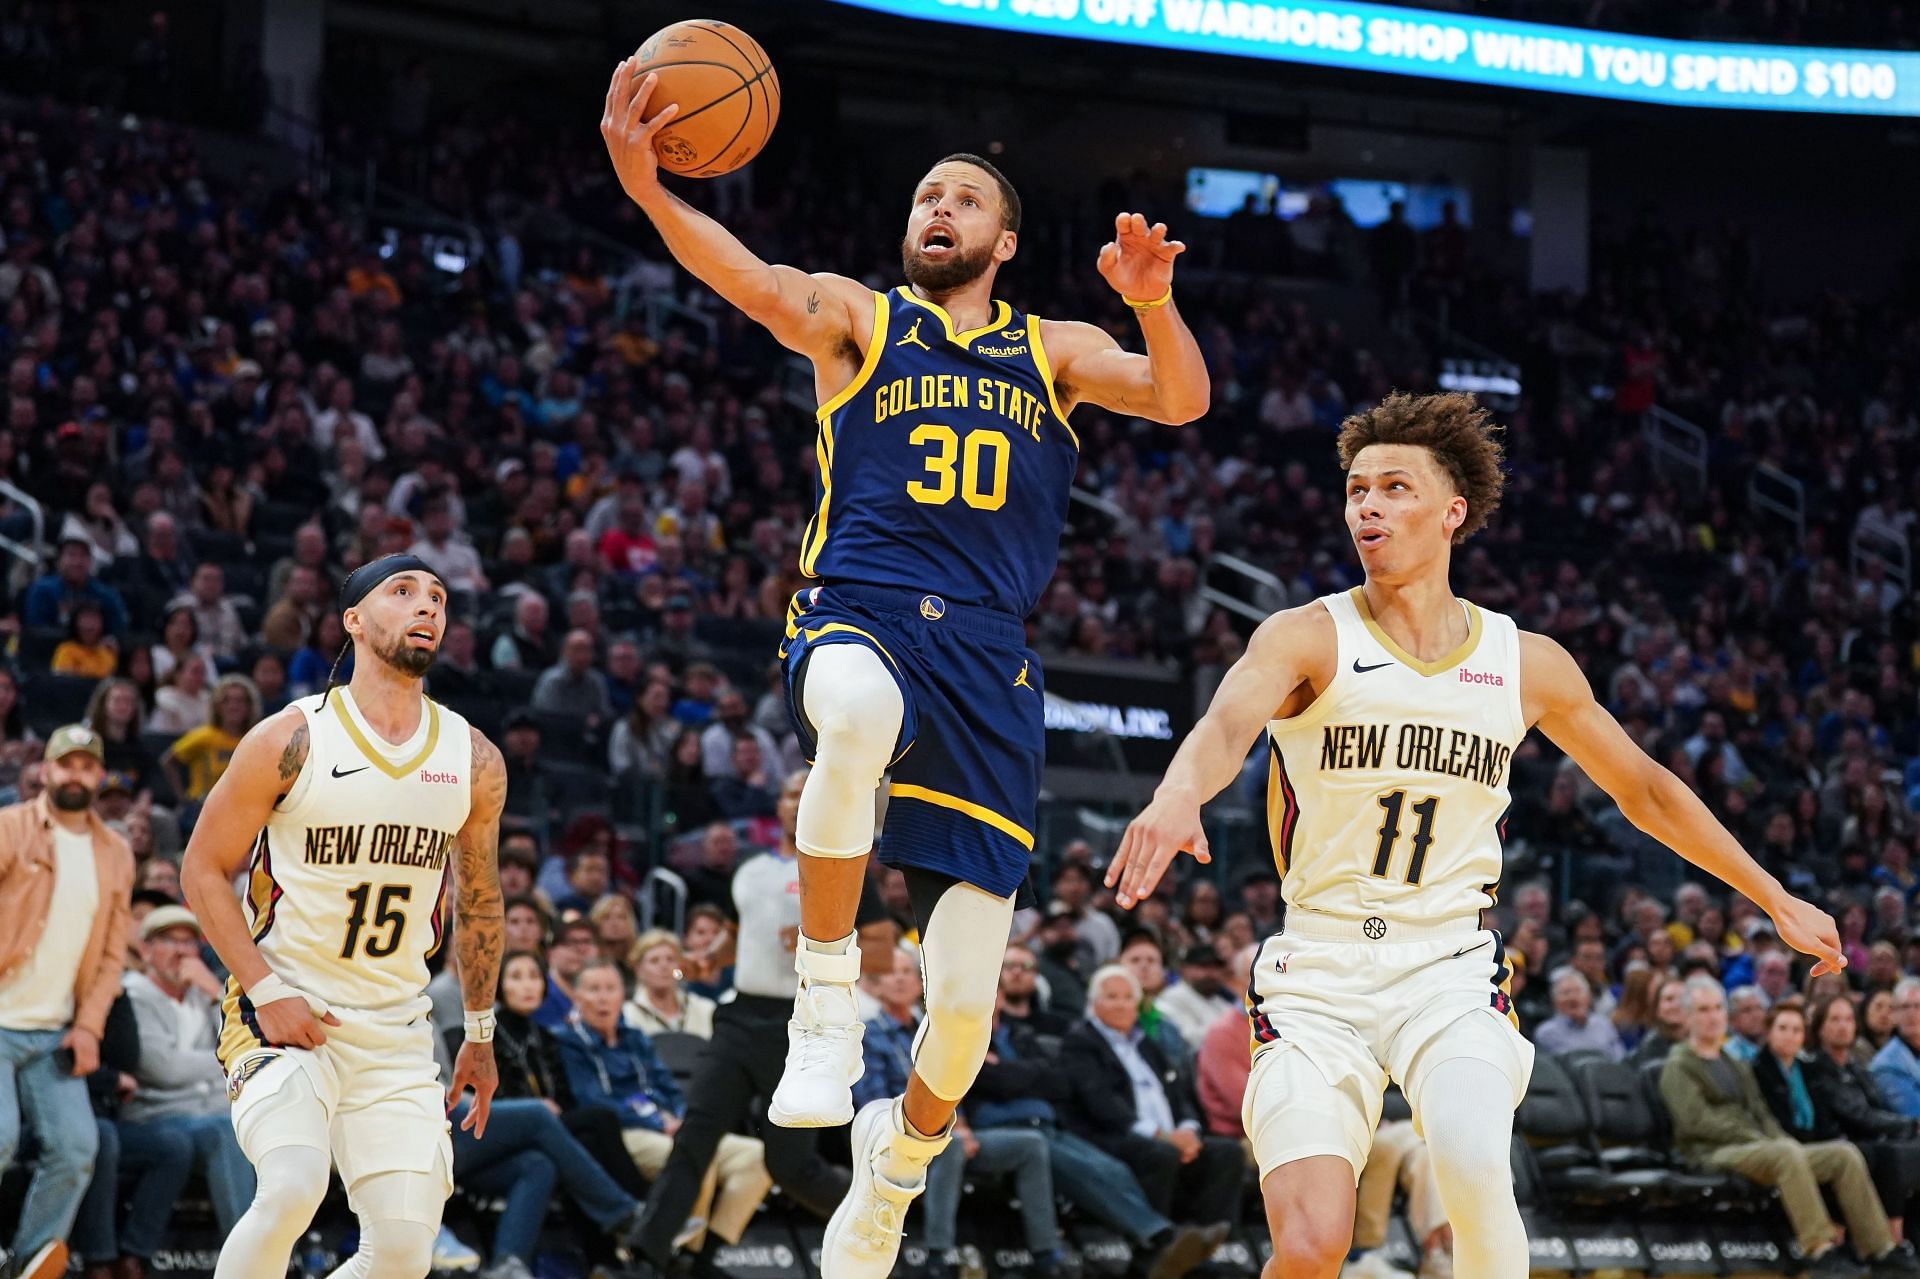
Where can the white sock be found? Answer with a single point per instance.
(829, 947)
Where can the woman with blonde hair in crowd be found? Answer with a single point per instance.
(1633, 1011)
(614, 920)
(661, 1003)
(204, 751)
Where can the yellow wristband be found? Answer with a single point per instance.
(1158, 302)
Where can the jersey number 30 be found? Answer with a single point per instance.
(1390, 833)
(386, 914)
(982, 481)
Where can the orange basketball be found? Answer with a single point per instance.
(728, 93)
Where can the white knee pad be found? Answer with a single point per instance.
(290, 1182)
(1468, 1150)
(960, 958)
(391, 1249)
(854, 706)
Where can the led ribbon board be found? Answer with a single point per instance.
(1515, 55)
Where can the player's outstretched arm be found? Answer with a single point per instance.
(1279, 656)
(811, 315)
(1169, 383)
(265, 765)
(479, 930)
(1560, 702)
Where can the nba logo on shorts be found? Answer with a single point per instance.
(933, 608)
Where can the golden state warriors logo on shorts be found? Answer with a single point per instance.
(932, 607)
(244, 1071)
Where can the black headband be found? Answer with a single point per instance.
(361, 581)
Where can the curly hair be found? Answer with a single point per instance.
(1452, 427)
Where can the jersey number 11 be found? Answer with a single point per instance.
(1390, 833)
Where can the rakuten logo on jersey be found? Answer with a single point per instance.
(440, 779)
(1481, 677)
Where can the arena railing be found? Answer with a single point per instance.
(27, 555)
(1772, 490)
(1677, 446)
(1891, 553)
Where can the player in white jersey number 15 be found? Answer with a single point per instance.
(355, 813)
(1393, 711)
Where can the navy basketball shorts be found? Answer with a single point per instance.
(965, 783)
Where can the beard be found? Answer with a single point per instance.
(956, 271)
(71, 797)
(408, 660)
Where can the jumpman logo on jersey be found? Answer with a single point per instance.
(913, 336)
(1020, 680)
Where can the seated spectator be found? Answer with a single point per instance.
(618, 927)
(1142, 953)
(688, 799)
(575, 945)
(1223, 1063)
(519, 865)
(589, 878)
(1201, 996)
(526, 925)
(1669, 1023)
(613, 1065)
(526, 645)
(1876, 1024)
(572, 686)
(1398, 1161)
(18, 745)
(221, 631)
(177, 1121)
(1574, 1025)
(204, 751)
(1017, 1004)
(730, 721)
(1060, 958)
(50, 601)
(315, 664)
(88, 651)
(1746, 1013)
(451, 555)
(1844, 1088)
(661, 1003)
(708, 947)
(1130, 1101)
(527, 798)
(749, 790)
(888, 1051)
(185, 699)
(710, 883)
(295, 612)
(1720, 1121)
(643, 738)
(1896, 1067)
(269, 675)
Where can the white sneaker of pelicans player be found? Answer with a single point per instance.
(863, 1235)
(1374, 1265)
(450, 1254)
(823, 1045)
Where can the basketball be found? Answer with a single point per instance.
(728, 94)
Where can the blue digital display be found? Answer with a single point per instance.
(1491, 51)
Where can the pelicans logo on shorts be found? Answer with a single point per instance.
(244, 1071)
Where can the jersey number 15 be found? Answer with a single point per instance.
(386, 914)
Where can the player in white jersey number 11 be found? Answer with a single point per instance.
(1393, 711)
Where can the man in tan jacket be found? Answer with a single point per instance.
(65, 884)
(1720, 1121)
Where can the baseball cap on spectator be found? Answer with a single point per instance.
(117, 780)
(161, 918)
(69, 738)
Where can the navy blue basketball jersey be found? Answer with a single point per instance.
(945, 466)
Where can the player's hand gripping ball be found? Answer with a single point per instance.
(725, 89)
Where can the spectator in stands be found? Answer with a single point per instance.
(451, 555)
(572, 686)
(1201, 996)
(1018, 1003)
(17, 743)
(526, 924)
(204, 751)
(618, 928)
(729, 723)
(1844, 1088)
(1059, 962)
(525, 645)
(1669, 1023)
(1896, 1068)
(688, 798)
(1398, 1161)
(1140, 952)
(177, 1121)
(50, 602)
(614, 1065)
(1073, 892)
(589, 878)
(1130, 1101)
(160, 571)
(1021, 1153)
(708, 944)
(1721, 1121)
(643, 738)
(1573, 1026)
(88, 652)
(748, 790)
(293, 615)
(527, 798)
(1876, 1023)
(1747, 1016)
(221, 631)
(184, 699)
(64, 885)
(1260, 899)
(710, 881)
(575, 944)
(661, 1003)
(1590, 961)
(313, 665)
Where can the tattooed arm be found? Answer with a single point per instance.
(264, 768)
(479, 928)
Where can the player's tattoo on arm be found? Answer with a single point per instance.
(294, 757)
(480, 920)
(813, 304)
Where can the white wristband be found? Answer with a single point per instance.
(271, 990)
(480, 1026)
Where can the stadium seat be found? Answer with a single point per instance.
(681, 1053)
(1632, 1140)
(51, 700)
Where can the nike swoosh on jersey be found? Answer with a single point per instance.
(1468, 950)
(351, 771)
(1362, 670)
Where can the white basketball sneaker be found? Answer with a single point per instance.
(823, 1044)
(863, 1235)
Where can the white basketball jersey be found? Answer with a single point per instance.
(1387, 794)
(349, 877)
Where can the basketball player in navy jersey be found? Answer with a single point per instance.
(945, 464)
